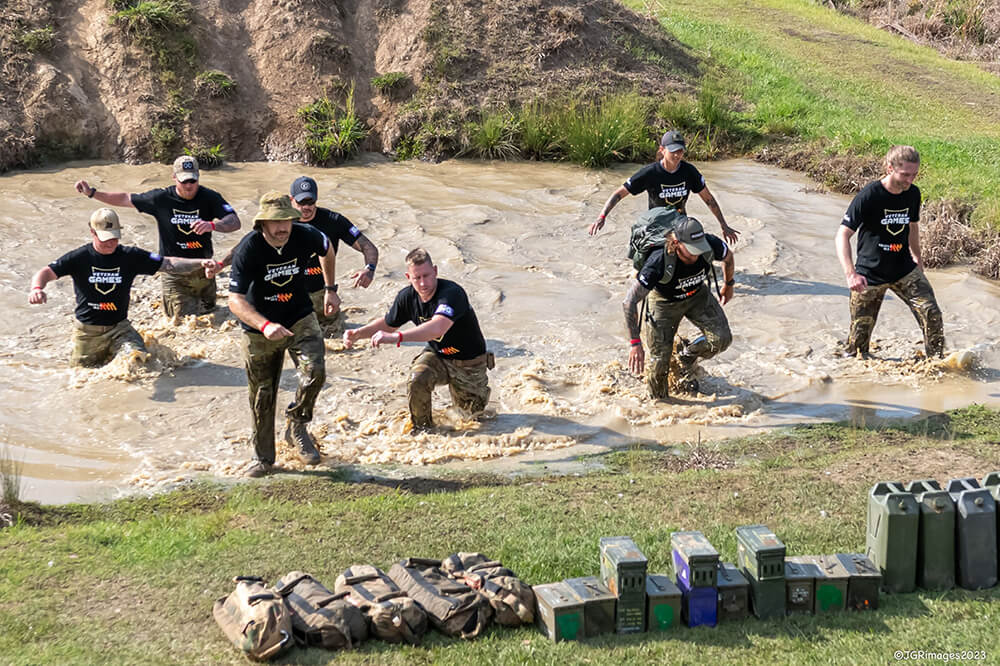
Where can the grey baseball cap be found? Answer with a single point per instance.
(691, 235)
(673, 140)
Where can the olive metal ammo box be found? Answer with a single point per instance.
(558, 613)
(936, 538)
(865, 581)
(976, 534)
(831, 582)
(695, 560)
(800, 586)
(761, 556)
(663, 603)
(598, 605)
(734, 593)
(891, 542)
(623, 570)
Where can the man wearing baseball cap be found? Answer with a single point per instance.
(667, 182)
(674, 278)
(186, 214)
(103, 272)
(267, 293)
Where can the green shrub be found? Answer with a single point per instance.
(209, 157)
(152, 17)
(39, 40)
(494, 136)
(11, 472)
(614, 129)
(163, 139)
(332, 132)
(390, 81)
(214, 83)
(538, 131)
(409, 148)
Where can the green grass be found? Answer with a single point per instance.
(163, 140)
(149, 18)
(332, 132)
(11, 474)
(37, 40)
(133, 581)
(209, 157)
(215, 83)
(494, 136)
(390, 81)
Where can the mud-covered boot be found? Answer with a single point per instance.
(687, 369)
(298, 437)
(259, 469)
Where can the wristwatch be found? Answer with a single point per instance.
(370, 267)
(730, 283)
(329, 288)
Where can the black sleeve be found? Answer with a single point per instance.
(66, 264)
(719, 247)
(144, 262)
(239, 272)
(652, 270)
(220, 207)
(347, 231)
(854, 217)
(637, 183)
(399, 313)
(695, 181)
(915, 206)
(453, 303)
(318, 241)
(146, 202)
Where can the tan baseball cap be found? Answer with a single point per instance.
(275, 206)
(185, 168)
(105, 224)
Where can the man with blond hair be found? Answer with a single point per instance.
(885, 215)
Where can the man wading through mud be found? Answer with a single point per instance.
(103, 272)
(885, 215)
(668, 182)
(456, 350)
(267, 292)
(186, 214)
(674, 278)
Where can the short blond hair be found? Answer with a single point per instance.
(418, 256)
(897, 155)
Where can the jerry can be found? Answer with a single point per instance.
(976, 534)
(893, 526)
(936, 537)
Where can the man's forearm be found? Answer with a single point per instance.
(372, 327)
(728, 267)
(636, 293)
(241, 308)
(227, 223)
(612, 201)
(713, 206)
(368, 249)
(180, 265)
(843, 243)
(328, 263)
(915, 243)
(122, 199)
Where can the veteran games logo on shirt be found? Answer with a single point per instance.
(183, 219)
(673, 193)
(104, 279)
(895, 221)
(281, 274)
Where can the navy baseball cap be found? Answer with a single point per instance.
(304, 188)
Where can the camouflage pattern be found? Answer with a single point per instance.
(914, 290)
(467, 381)
(333, 327)
(93, 346)
(702, 310)
(187, 294)
(263, 359)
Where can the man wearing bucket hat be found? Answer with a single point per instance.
(103, 272)
(667, 182)
(186, 214)
(674, 278)
(267, 293)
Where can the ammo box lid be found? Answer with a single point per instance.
(693, 547)
(830, 567)
(622, 550)
(798, 570)
(760, 540)
(660, 585)
(556, 595)
(589, 588)
(730, 576)
(859, 566)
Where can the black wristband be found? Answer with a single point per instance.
(329, 288)
(93, 191)
(730, 283)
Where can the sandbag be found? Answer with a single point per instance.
(453, 607)
(512, 600)
(392, 615)
(320, 618)
(254, 619)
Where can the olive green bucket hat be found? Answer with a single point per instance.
(275, 206)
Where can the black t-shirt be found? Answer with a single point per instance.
(463, 340)
(687, 278)
(882, 220)
(665, 188)
(274, 281)
(174, 217)
(103, 282)
(337, 228)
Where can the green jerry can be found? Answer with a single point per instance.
(936, 538)
(976, 534)
(558, 613)
(623, 570)
(761, 556)
(695, 559)
(864, 582)
(598, 605)
(893, 526)
(991, 482)
(831, 582)
(734, 593)
(663, 603)
(800, 586)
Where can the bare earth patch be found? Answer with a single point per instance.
(905, 466)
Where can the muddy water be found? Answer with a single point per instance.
(547, 295)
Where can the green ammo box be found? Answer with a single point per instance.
(761, 556)
(891, 543)
(865, 581)
(558, 613)
(663, 603)
(695, 559)
(623, 570)
(598, 605)
(831, 582)
(936, 538)
(800, 586)
(976, 534)
(734, 593)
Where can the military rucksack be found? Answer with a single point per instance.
(393, 616)
(320, 618)
(254, 619)
(649, 231)
(513, 601)
(453, 607)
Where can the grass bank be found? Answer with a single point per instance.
(133, 581)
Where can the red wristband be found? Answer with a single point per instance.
(266, 324)
(213, 225)
(399, 340)
(635, 342)
(38, 288)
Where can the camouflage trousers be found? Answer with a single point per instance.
(94, 346)
(702, 310)
(914, 290)
(466, 380)
(332, 327)
(263, 359)
(187, 294)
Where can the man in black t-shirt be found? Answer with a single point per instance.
(885, 215)
(674, 278)
(668, 182)
(103, 272)
(456, 350)
(186, 214)
(267, 293)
